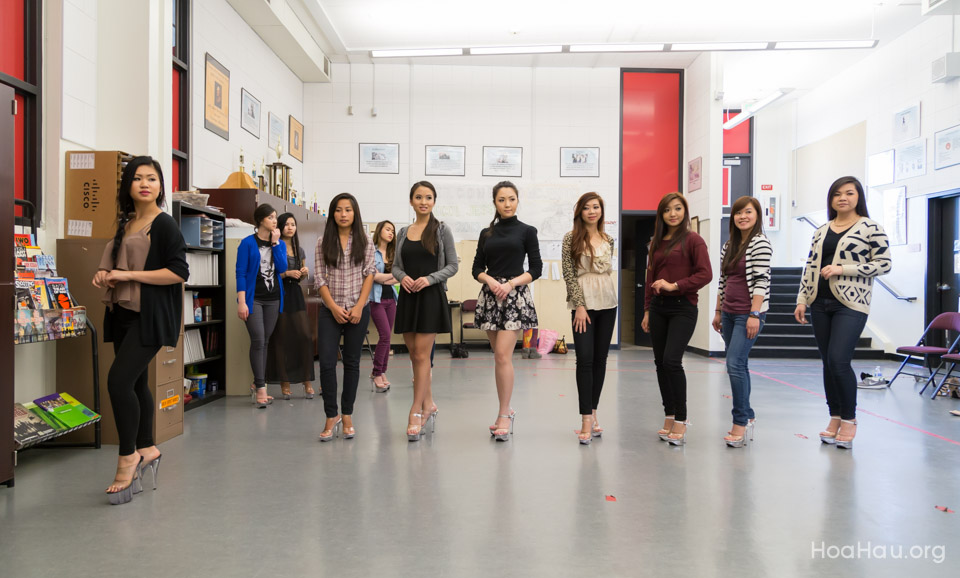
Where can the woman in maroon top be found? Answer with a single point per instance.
(677, 268)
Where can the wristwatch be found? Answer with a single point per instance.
(755, 314)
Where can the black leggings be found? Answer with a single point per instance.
(127, 382)
(672, 321)
(592, 347)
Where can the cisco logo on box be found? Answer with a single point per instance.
(91, 195)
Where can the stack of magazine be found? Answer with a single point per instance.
(48, 417)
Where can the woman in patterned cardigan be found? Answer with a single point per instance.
(845, 255)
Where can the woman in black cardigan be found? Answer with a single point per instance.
(142, 270)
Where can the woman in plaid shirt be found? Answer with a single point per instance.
(345, 269)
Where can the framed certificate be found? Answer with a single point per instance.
(216, 99)
(443, 160)
(946, 148)
(276, 131)
(694, 174)
(502, 161)
(296, 139)
(382, 158)
(249, 113)
(579, 162)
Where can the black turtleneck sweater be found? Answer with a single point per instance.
(502, 253)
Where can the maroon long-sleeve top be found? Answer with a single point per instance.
(687, 266)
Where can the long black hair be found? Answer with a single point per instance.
(331, 236)
(295, 240)
(125, 204)
(496, 213)
(660, 229)
(861, 198)
(391, 246)
(739, 241)
(262, 212)
(429, 236)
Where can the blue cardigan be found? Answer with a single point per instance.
(248, 267)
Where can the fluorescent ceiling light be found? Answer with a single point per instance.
(516, 49)
(752, 109)
(807, 45)
(616, 47)
(417, 52)
(716, 46)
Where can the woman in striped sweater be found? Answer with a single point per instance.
(837, 283)
(742, 304)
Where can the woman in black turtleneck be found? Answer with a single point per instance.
(505, 305)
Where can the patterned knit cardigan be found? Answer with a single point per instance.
(758, 255)
(863, 252)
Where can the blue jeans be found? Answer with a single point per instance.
(734, 331)
(837, 329)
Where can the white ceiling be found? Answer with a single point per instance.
(349, 29)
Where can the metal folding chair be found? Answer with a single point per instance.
(954, 359)
(942, 322)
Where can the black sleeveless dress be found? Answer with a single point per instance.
(425, 311)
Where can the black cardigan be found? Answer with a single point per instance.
(161, 306)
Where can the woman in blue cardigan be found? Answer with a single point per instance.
(261, 258)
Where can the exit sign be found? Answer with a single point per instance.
(766, 187)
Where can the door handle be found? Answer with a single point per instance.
(943, 287)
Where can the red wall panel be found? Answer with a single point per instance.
(736, 141)
(19, 151)
(650, 139)
(176, 109)
(12, 59)
(173, 184)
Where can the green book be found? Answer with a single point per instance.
(69, 415)
(83, 409)
(44, 415)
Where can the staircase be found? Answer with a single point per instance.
(782, 336)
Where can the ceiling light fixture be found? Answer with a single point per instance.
(752, 109)
(416, 52)
(825, 44)
(616, 47)
(516, 50)
(716, 46)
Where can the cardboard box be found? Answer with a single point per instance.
(90, 193)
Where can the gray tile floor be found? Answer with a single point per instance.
(247, 492)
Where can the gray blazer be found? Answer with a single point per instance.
(447, 257)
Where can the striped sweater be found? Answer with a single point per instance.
(863, 252)
(758, 255)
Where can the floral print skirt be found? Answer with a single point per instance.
(514, 313)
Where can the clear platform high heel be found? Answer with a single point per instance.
(846, 444)
(682, 439)
(829, 436)
(415, 437)
(664, 432)
(334, 431)
(126, 494)
(154, 467)
(501, 434)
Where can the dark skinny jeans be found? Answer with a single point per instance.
(592, 347)
(837, 329)
(328, 337)
(672, 322)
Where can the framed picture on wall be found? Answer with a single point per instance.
(216, 98)
(895, 215)
(276, 131)
(380, 158)
(249, 113)
(442, 160)
(906, 123)
(579, 162)
(694, 176)
(502, 161)
(947, 148)
(296, 139)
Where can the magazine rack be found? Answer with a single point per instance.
(95, 356)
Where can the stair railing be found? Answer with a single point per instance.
(890, 289)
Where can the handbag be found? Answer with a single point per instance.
(560, 346)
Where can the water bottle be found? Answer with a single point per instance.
(878, 373)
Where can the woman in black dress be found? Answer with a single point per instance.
(425, 258)
(290, 350)
(505, 304)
